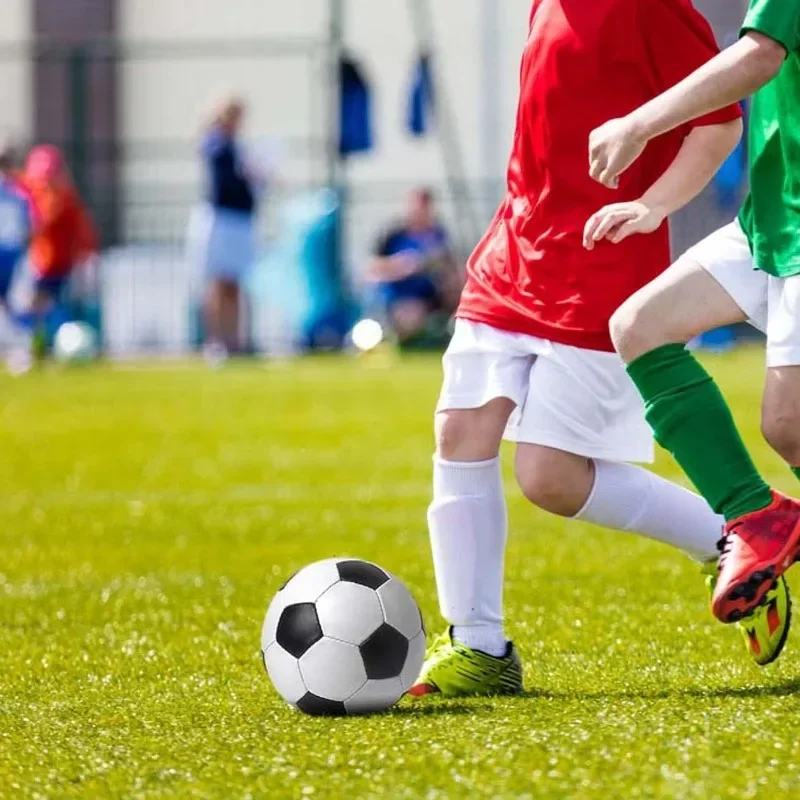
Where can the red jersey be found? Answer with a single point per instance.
(586, 61)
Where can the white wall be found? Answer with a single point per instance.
(15, 70)
(163, 98)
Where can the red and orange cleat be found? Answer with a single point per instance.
(756, 550)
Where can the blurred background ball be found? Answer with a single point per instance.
(366, 335)
(343, 637)
(75, 342)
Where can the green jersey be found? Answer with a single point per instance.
(771, 213)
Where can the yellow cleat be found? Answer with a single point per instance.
(453, 670)
(765, 631)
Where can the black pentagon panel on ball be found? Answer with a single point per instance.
(298, 628)
(321, 706)
(384, 653)
(362, 573)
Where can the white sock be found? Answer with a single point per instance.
(633, 499)
(468, 528)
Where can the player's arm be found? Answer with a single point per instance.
(387, 265)
(701, 155)
(728, 78)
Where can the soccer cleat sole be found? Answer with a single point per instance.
(423, 690)
(784, 636)
(427, 690)
(745, 597)
(504, 688)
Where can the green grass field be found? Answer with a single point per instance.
(147, 515)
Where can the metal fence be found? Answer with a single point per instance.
(142, 187)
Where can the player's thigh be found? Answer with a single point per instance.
(472, 434)
(780, 416)
(486, 375)
(712, 285)
(409, 315)
(554, 480)
(780, 412)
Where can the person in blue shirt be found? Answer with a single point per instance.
(413, 269)
(15, 223)
(222, 231)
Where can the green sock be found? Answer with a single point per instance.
(691, 420)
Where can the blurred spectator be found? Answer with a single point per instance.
(63, 238)
(222, 231)
(414, 271)
(15, 221)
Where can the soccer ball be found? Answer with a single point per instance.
(366, 335)
(75, 342)
(343, 636)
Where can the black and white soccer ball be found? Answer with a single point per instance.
(343, 636)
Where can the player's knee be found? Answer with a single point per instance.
(472, 434)
(547, 481)
(408, 318)
(781, 430)
(631, 332)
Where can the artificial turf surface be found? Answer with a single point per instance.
(147, 515)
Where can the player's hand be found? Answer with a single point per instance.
(619, 221)
(613, 147)
(406, 264)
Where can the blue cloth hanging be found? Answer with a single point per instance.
(421, 98)
(355, 109)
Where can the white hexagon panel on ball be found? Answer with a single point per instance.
(333, 670)
(349, 612)
(375, 696)
(414, 659)
(400, 609)
(284, 672)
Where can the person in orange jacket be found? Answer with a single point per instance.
(64, 235)
(63, 238)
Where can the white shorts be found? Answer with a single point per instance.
(576, 400)
(771, 304)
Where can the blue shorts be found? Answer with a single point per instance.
(6, 279)
(53, 287)
(415, 287)
(222, 242)
(9, 259)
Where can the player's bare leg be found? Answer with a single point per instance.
(468, 522)
(215, 349)
(692, 420)
(468, 530)
(408, 318)
(680, 304)
(780, 414)
(618, 496)
(230, 315)
(631, 499)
